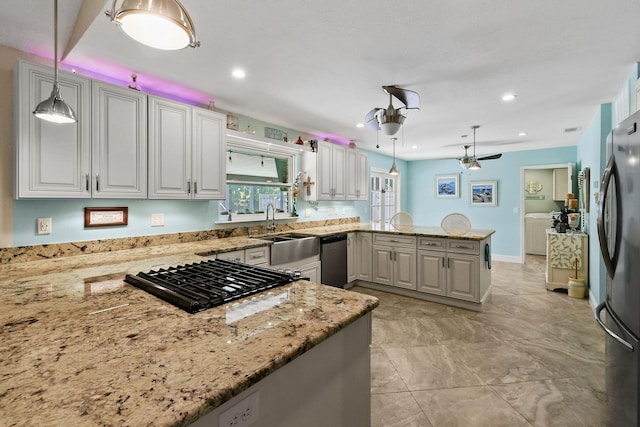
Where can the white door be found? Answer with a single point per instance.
(384, 197)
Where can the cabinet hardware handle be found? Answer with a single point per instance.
(97, 182)
(256, 256)
(395, 240)
(195, 187)
(442, 262)
(448, 262)
(86, 181)
(188, 186)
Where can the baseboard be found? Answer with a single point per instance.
(507, 258)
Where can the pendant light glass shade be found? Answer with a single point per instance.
(474, 164)
(54, 109)
(161, 24)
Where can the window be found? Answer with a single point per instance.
(256, 179)
(384, 197)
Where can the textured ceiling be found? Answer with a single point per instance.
(319, 66)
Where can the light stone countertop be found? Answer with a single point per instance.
(421, 231)
(81, 347)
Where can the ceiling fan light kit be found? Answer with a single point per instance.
(390, 119)
(161, 24)
(54, 109)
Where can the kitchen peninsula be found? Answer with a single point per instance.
(80, 347)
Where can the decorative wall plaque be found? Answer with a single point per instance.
(106, 217)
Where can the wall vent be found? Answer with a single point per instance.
(573, 129)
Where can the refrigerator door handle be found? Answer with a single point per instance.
(610, 260)
(603, 306)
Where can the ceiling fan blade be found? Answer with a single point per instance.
(409, 98)
(370, 118)
(492, 157)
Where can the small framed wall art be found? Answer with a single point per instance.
(447, 186)
(483, 193)
(105, 217)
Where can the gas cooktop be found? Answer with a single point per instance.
(199, 286)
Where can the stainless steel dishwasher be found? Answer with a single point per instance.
(333, 256)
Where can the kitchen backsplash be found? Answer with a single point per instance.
(58, 250)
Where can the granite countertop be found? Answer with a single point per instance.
(422, 231)
(81, 347)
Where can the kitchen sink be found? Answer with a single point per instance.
(292, 247)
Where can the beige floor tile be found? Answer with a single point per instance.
(396, 410)
(384, 377)
(468, 406)
(532, 357)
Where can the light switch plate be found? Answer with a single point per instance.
(157, 220)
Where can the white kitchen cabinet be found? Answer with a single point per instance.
(51, 160)
(450, 267)
(208, 161)
(357, 175)
(119, 142)
(186, 151)
(308, 267)
(563, 181)
(331, 160)
(363, 256)
(351, 257)
(394, 260)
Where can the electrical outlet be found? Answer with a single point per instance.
(243, 413)
(157, 220)
(44, 225)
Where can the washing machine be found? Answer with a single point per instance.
(535, 232)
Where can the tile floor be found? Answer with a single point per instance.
(532, 358)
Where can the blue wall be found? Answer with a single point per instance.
(505, 218)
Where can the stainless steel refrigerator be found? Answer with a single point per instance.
(619, 237)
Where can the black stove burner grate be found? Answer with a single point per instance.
(199, 286)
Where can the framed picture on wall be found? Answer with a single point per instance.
(447, 186)
(483, 193)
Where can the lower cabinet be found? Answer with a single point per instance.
(394, 260)
(309, 268)
(351, 257)
(363, 256)
(452, 268)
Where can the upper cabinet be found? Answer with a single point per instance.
(357, 175)
(331, 171)
(119, 142)
(51, 160)
(186, 151)
(563, 181)
(125, 144)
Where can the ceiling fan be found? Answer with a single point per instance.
(390, 119)
(471, 162)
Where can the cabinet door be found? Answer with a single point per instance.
(351, 174)
(382, 265)
(351, 257)
(404, 269)
(208, 158)
(119, 143)
(324, 180)
(362, 177)
(52, 160)
(431, 272)
(339, 171)
(312, 271)
(462, 277)
(169, 149)
(363, 258)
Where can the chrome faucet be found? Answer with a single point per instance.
(271, 225)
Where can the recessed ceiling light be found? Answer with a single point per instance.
(415, 147)
(507, 97)
(238, 73)
(360, 125)
(522, 134)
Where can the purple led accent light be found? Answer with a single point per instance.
(121, 76)
(336, 139)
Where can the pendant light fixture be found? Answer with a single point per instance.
(54, 109)
(161, 24)
(394, 169)
(474, 160)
